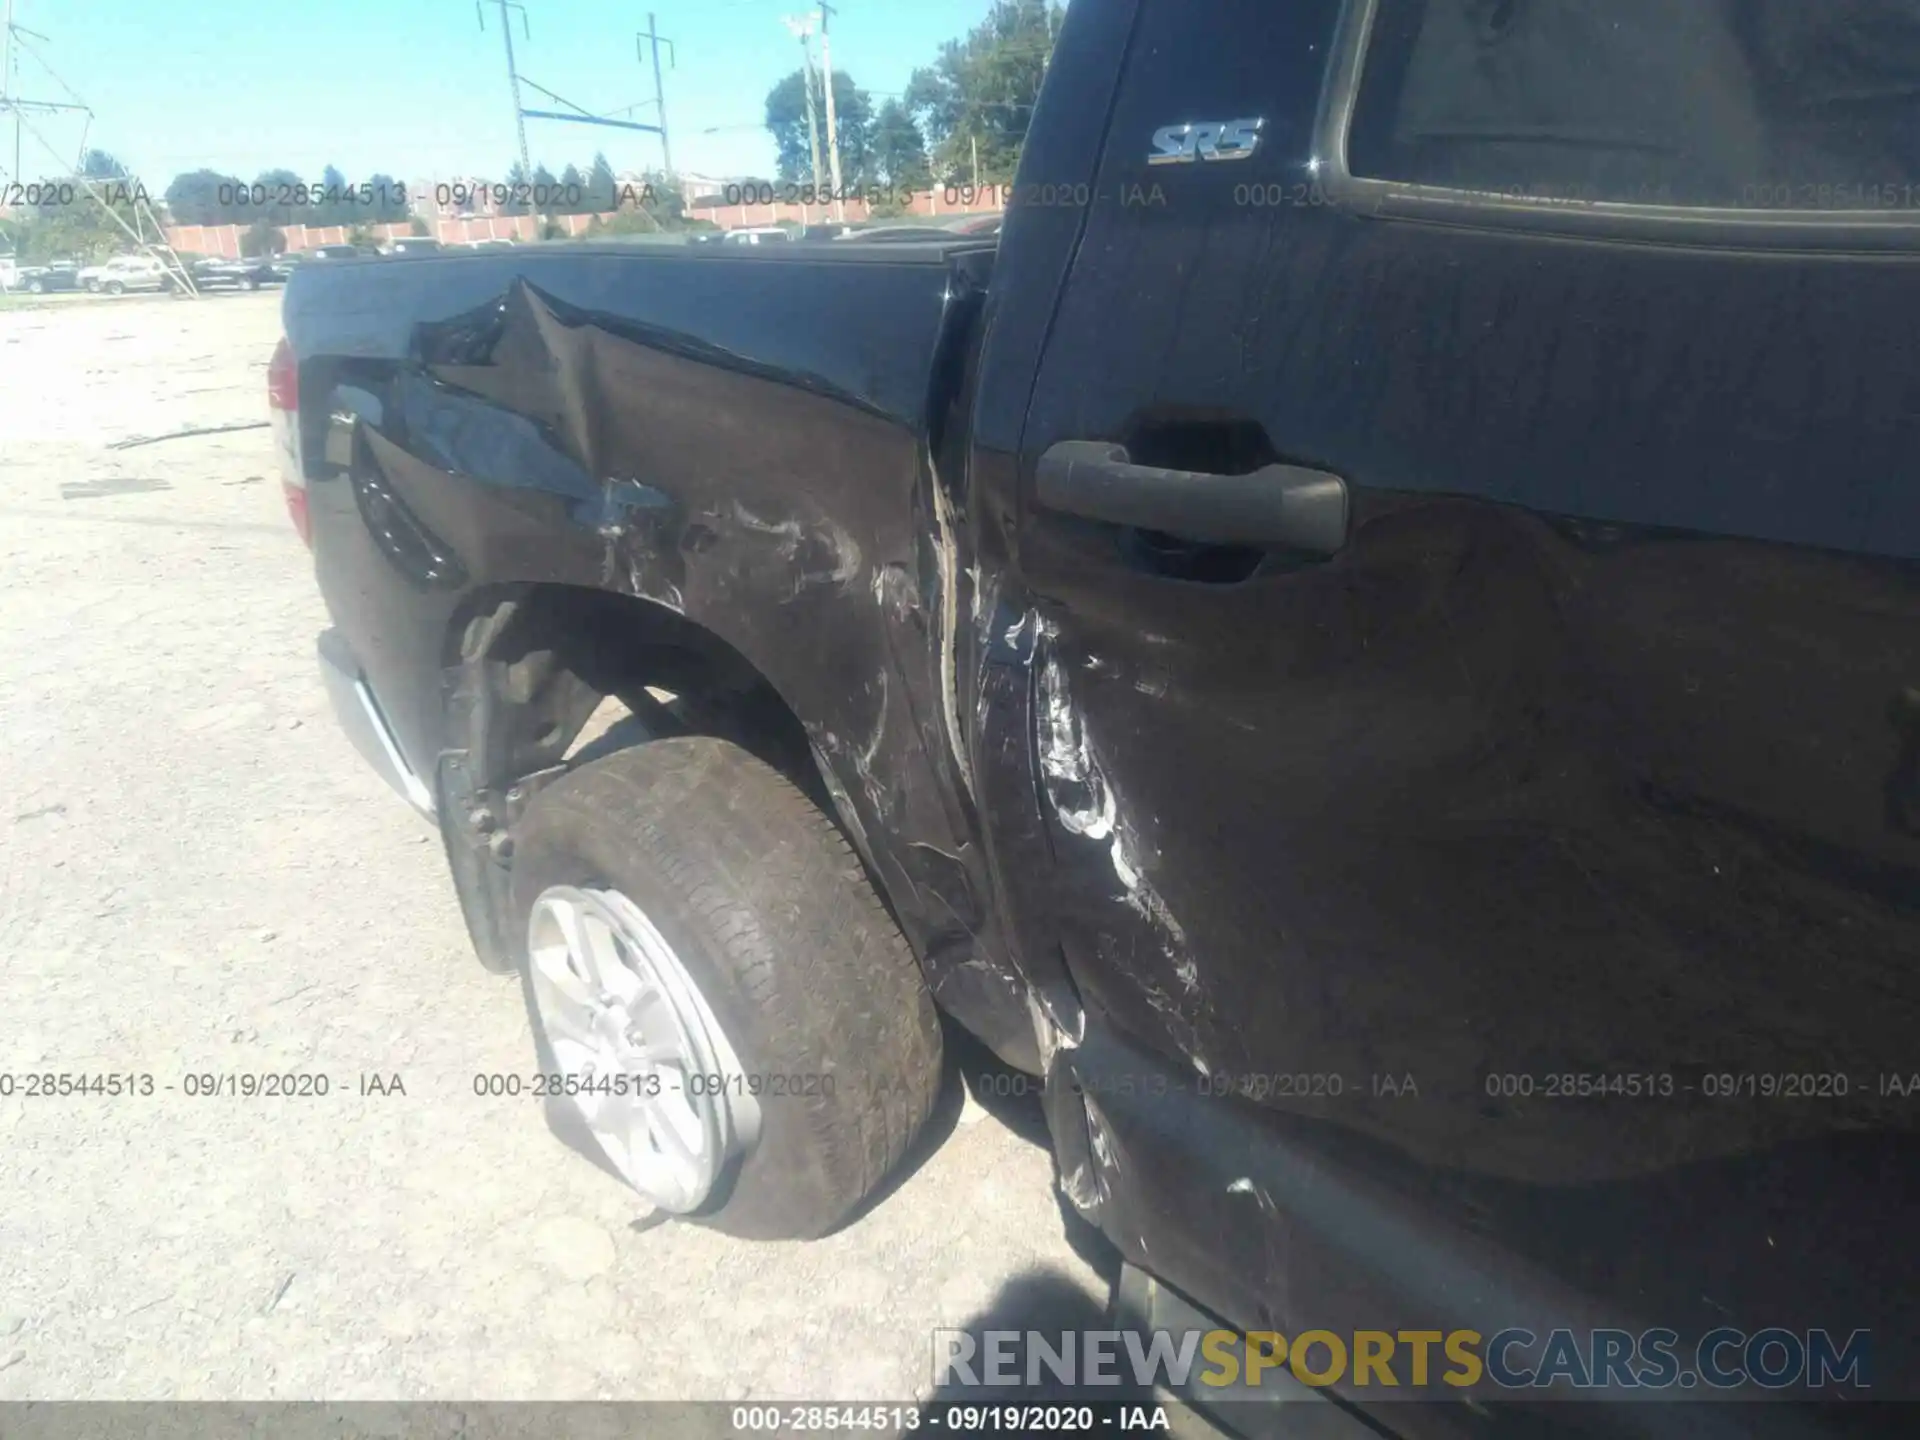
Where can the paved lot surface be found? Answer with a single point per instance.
(198, 876)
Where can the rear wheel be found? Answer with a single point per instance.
(743, 1035)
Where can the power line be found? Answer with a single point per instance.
(11, 40)
(575, 114)
(20, 107)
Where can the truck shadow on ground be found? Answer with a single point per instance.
(1013, 1098)
(1040, 1302)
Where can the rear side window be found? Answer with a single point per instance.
(1788, 108)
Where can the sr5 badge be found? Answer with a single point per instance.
(1206, 140)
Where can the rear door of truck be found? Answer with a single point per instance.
(1469, 500)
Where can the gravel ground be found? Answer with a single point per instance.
(197, 875)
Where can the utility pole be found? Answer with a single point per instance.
(12, 41)
(653, 37)
(6, 82)
(11, 103)
(803, 32)
(833, 130)
(976, 165)
(575, 113)
(513, 71)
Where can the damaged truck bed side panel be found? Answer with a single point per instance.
(739, 444)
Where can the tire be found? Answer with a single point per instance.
(771, 916)
(114, 287)
(36, 287)
(249, 283)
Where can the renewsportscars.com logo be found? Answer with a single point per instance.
(1573, 1363)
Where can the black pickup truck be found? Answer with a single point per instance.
(1370, 641)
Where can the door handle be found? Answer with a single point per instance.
(1279, 505)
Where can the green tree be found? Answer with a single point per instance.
(545, 187)
(517, 182)
(100, 165)
(899, 152)
(661, 198)
(787, 123)
(261, 238)
(853, 122)
(983, 88)
(573, 197)
(652, 205)
(271, 199)
(83, 230)
(333, 206)
(665, 198)
(602, 186)
(389, 204)
(195, 198)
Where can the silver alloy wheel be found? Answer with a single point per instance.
(651, 1072)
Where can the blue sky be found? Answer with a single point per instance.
(415, 87)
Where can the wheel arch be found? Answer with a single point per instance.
(525, 666)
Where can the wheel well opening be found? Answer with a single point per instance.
(575, 673)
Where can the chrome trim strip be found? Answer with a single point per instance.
(409, 784)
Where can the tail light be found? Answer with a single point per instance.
(283, 379)
(283, 404)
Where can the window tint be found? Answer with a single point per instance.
(1795, 105)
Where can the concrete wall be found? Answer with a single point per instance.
(939, 204)
(225, 239)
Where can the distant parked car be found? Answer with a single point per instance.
(410, 245)
(243, 274)
(758, 235)
(895, 234)
(126, 272)
(977, 225)
(39, 279)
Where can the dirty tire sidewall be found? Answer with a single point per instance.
(768, 908)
